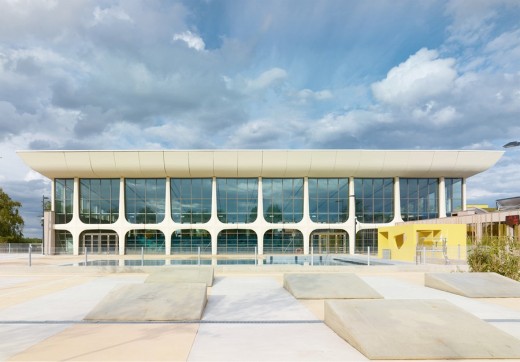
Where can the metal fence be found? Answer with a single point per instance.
(19, 248)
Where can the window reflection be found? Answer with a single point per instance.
(145, 200)
(283, 200)
(237, 200)
(191, 200)
(419, 198)
(283, 241)
(63, 196)
(188, 241)
(374, 199)
(99, 201)
(328, 200)
(453, 190)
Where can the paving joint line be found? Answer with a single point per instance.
(47, 322)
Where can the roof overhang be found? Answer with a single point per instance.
(265, 163)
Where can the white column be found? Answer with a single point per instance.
(260, 214)
(167, 218)
(397, 201)
(122, 216)
(352, 228)
(53, 196)
(306, 217)
(75, 230)
(442, 197)
(214, 215)
(463, 194)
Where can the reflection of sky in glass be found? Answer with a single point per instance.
(145, 200)
(374, 199)
(418, 198)
(283, 200)
(237, 200)
(328, 200)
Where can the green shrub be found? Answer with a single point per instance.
(494, 254)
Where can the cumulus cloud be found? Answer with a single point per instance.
(421, 77)
(266, 79)
(192, 40)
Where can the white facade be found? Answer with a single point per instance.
(260, 165)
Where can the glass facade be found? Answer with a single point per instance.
(237, 200)
(63, 242)
(145, 200)
(328, 200)
(329, 241)
(188, 241)
(364, 239)
(151, 241)
(374, 199)
(63, 192)
(191, 200)
(419, 198)
(283, 241)
(283, 200)
(99, 201)
(235, 241)
(453, 190)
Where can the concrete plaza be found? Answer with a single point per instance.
(249, 316)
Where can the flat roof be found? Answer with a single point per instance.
(265, 163)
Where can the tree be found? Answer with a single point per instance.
(11, 222)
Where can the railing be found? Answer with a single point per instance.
(20, 248)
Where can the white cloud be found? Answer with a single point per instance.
(421, 77)
(307, 95)
(266, 79)
(108, 14)
(192, 40)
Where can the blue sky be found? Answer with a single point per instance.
(258, 74)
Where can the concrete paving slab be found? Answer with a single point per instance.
(128, 342)
(152, 302)
(417, 329)
(328, 286)
(184, 274)
(474, 285)
(252, 299)
(271, 342)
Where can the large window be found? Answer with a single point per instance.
(147, 241)
(145, 200)
(63, 242)
(419, 198)
(237, 200)
(374, 200)
(188, 241)
(191, 200)
(99, 201)
(283, 200)
(366, 239)
(63, 196)
(453, 187)
(328, 200)
(236, 242)
(283, 241)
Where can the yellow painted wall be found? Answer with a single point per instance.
(403, 241)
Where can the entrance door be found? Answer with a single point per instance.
(329, 242)
(101, 242)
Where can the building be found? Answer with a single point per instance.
(245, 201)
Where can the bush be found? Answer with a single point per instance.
(499, 255)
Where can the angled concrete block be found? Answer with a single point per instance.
(152, 302)
(328, 286)
(417, 329)
(474, 285)
(189, 274)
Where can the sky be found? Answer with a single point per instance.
(264, 74)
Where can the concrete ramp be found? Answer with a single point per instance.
(474, 285)
(152, 302)
(328, 286)
(417, 329)
(189, 274)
